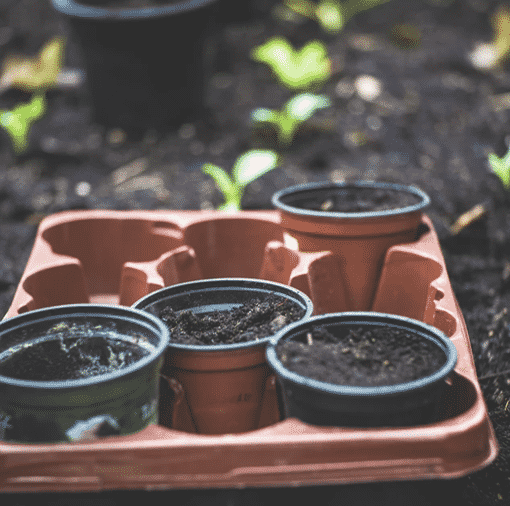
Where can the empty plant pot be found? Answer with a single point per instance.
(357, 222)
(219, 380)
(362, 369)
(79, 372)
(146, 66)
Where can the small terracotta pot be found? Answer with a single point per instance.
(120, 401)
(320, 403)
(359, 240)
(146, 67)
(221, 388)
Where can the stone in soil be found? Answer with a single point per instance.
(366, 357)
(252, 321)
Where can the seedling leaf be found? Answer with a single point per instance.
(17, 122)
(501, 28)
(296, 69)
(330, 16)
(304, 105)
(247, 168)
(296, 110)
(253, 164)
(34, 73)
(222, 180)
(501, 167)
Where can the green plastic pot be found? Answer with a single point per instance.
(121, 401)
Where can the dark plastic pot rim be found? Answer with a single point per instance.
(371, 318)
(76, 9)
(86, 310)
(278, 197)
(228, 283)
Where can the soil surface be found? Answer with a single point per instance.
(254, 320)
(126, 4)
(357, 200)
(365, 357)
(70, 358)
(435, 121)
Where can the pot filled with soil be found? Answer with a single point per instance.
(146, 60)
(79, 372)
(362, 369)
(215, 364)
(357, 222)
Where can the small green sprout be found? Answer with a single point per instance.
(30, 74)
(332, 15)
(297, 110)
(296, 69)
(17, 122)
(487, 56)
(248, 167)
(501, 167)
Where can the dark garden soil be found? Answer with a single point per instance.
(70, 358)
(433, 124)
(359, 200)
(123, 4)
(378, 356)
(253, 320)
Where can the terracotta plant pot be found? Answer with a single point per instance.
(217, 388)
(146, 67)
(79, 395)
(359, 240)
(363, 401)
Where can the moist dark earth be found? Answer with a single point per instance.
(378, 356)
(71, 358)
(356, 200)
(251, 321)
(434, 123)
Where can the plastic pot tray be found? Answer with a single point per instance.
(116, 257)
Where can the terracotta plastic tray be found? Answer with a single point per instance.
(118, 256)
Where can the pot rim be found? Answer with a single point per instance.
(360, 317)
(225, 284)
(76, 9)
(110, 312)
(277, 199)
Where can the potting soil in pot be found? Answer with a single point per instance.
(253, 320)
(64, 356)
(358, 200)
(364, 357)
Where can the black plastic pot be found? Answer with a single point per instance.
(320, 403)
(218, 388)
(146, 67)
(120, 401)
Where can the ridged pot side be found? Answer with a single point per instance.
(359, 240)
(218, 388)
(405, 403)
(50, 408)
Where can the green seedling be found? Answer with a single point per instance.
(490, 55)
(297, 110)
(17, 122)
(248, 167)
(332, 15)
(296, 69)
(32, 74)
(501, 167)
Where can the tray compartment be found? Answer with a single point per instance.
(283, 452)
